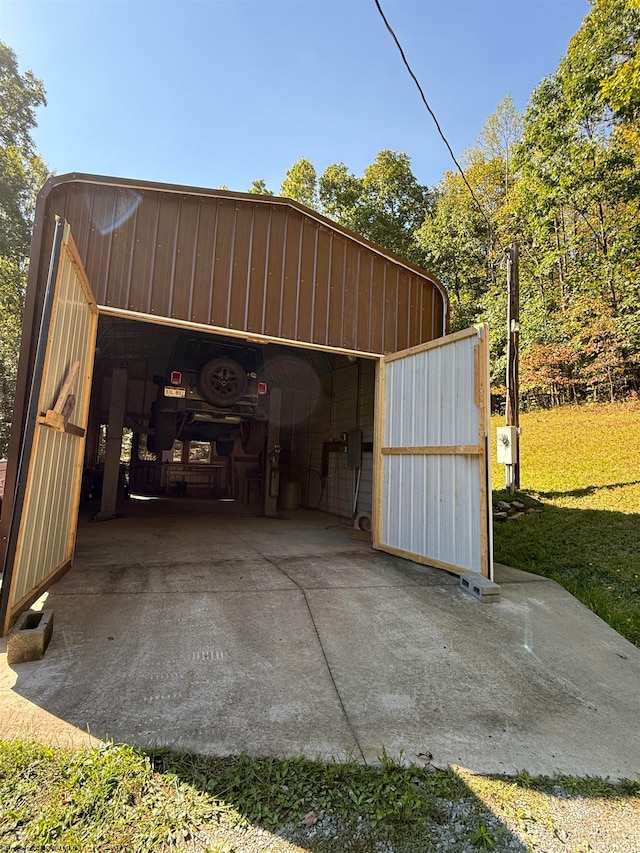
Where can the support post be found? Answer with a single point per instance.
(513, 321)
(111, 475)
(271, 471)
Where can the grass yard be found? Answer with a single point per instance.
(118, 798)
(581, 467)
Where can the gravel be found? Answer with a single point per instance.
(524, 821)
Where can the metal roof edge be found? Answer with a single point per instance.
(208, 192)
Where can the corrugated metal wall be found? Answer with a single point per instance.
(346, 404)
(344, 416)
(46, 537)
(319, 430)
(432, 479)
(243, 263)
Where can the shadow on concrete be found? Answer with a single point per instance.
(224, 634)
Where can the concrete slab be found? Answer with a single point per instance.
(227, 633)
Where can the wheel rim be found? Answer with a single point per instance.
(223, 381)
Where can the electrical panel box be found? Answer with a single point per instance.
(507, 445)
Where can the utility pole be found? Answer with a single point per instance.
(513, 321)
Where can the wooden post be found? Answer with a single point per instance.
(111, 473)
(513, 321)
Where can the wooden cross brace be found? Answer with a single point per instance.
(58, 417)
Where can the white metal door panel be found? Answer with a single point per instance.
(432, 466)
(45, 509)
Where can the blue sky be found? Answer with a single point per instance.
(216, 92)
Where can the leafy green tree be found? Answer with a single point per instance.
(463, 237)
(579, 193)
(22, 173)
(301, 184)
(386, 205)
(453, 243)
(340, 194)
(12, 288)
(500, 134)
(603, 60)
(393, 204)
(259, 187)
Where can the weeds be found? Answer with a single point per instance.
(271, 792)
(484, 838)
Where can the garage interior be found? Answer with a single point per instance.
(323, 429)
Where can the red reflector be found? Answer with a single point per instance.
(176, 377)
(262, 388)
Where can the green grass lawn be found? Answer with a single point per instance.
(581, 467)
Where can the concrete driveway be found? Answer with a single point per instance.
(207, 629)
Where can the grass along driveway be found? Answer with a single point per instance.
(580, 466)
(117, 798)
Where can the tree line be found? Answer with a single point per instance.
(563, 179)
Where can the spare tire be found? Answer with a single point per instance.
(223, 381)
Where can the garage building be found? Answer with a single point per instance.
(239, 347)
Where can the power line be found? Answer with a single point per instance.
(431, 112)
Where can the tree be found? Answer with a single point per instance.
(501, 131)
(12, 288)
(386, 205)
(340, 193)
(394, 204)
(603, 59)
(462, 238)
(259, 187)
(22, 173)
(453, 243)
(579, 162)
(300, 184)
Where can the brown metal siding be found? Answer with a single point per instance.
(256, 265)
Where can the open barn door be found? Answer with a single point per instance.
(433, 498)
(44, 515)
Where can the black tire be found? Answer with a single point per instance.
(164, 424)
(223, 381)
(224, 446)
(252, 435)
